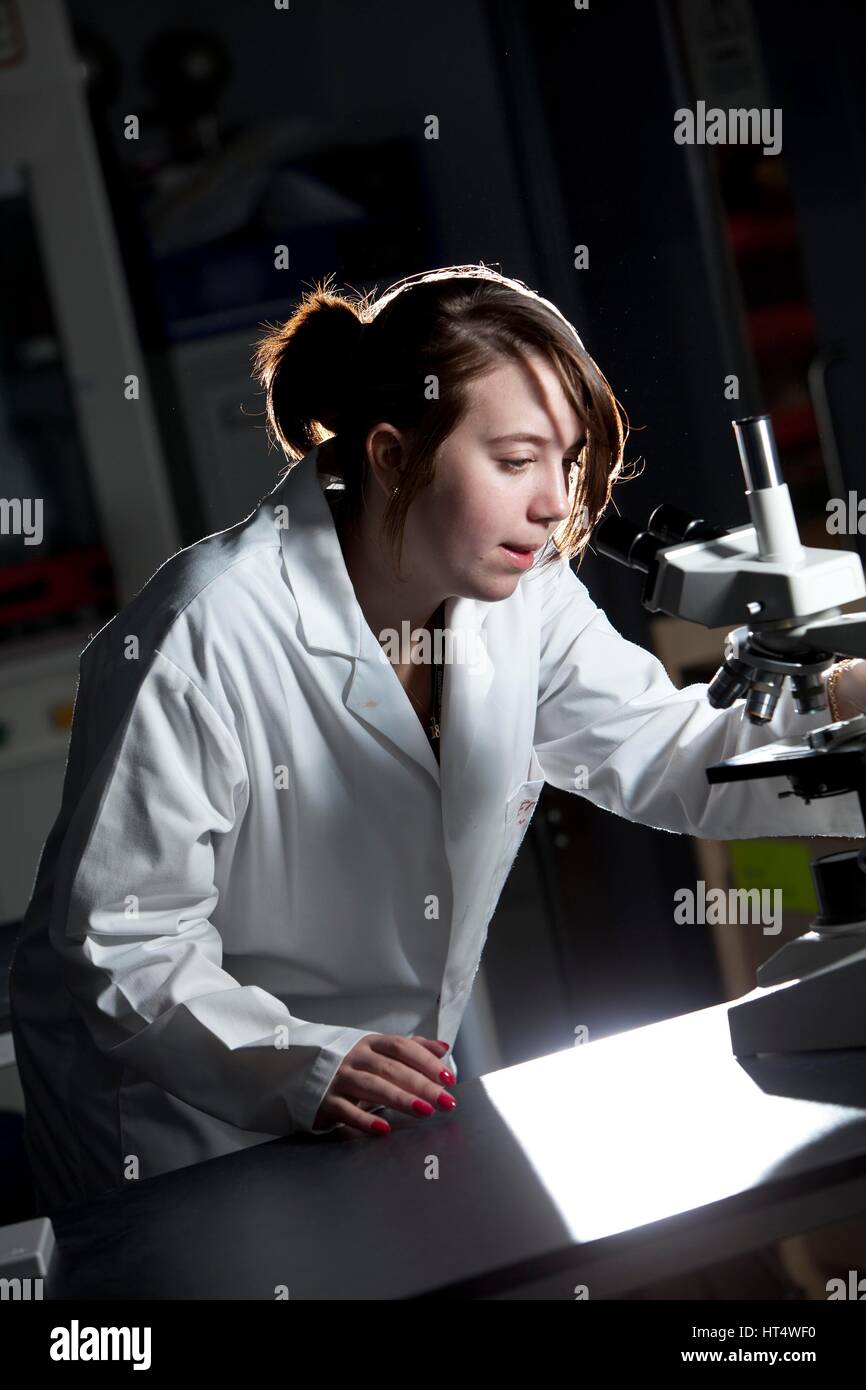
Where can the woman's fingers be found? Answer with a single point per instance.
(385, 1080)
(387, 1069)
(404, 1093)
(412, 1053)
(340, 1110)
(432, 1045)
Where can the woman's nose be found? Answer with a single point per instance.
(553, 503)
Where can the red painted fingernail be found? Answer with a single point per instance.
(446, 1076)
(443, 1044)
(445, 1101)
(421, 1107)
(381, 1127)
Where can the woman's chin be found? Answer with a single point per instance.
(492, 588)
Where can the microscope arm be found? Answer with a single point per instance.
(612, 726)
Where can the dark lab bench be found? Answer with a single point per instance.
(609, 1165)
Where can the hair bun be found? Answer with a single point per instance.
(332, 338)
(308, 368)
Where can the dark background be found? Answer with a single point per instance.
(556, 129)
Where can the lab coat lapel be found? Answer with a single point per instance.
(486, 725)
(332, 621)
(467, 682)
(330, 615)
(376, 697)
(485, 728)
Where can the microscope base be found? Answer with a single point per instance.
(808, 953)
(826, 1009)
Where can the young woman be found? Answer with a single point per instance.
(304, 757)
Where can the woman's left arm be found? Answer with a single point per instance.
(612, 726)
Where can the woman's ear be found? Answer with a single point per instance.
(386, 454)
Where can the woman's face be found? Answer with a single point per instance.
(495, 488)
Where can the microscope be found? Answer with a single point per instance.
(811, 995)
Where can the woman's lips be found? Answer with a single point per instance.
(522, 558)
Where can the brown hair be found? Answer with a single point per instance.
(340, 365)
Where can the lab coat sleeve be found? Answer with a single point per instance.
(142, 959)
(612, 726)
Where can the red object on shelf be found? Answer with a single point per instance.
(757, 234)
(781, 326)
(794, 426)
(44, 588)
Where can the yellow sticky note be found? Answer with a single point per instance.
(775, 864)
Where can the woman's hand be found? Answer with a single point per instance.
(850, 691)
(387, 1069)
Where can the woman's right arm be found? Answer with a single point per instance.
(144, 961)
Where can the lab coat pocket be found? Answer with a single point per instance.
(518, 812)
(519, 809)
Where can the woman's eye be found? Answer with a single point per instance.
(517, 464)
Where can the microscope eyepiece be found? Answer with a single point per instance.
(757, 447)
(620, 539)
(673, 526)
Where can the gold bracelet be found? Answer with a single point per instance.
(835, 673)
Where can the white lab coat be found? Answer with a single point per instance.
(258, 860)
